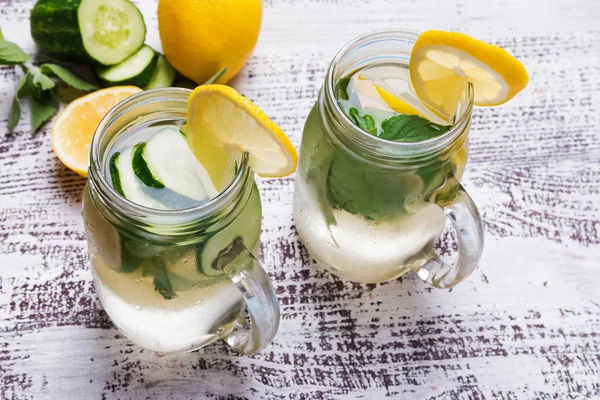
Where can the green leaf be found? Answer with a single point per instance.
(44, 104)
(67, 77)
(364, 122)
(362, 189)
(41, 81)
(1, 35)
(157, 268)
(25, 85)
(410, 128)
(11, 54)
(14, 115)
(23, 89)
(341, 88)
(216, 77)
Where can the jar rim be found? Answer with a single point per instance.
(158, 217)
(433, 144)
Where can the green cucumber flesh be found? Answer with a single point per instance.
(112, 30)
(245, 228)
(171, 162)
(132, 188)
(164, 75)
(137, 70)
(101, 31)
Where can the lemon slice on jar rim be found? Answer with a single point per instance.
(221, 123)
(443, 63)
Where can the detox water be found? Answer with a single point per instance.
(363, 221)
(166, 295)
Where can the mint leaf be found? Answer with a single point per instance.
(216, 77)
(23, 89)
(25, 85)
(44, 104)
(364, 122)
(41, 81)
(341, 88)
(157, 268)
(14, 115)
(410, 128)
(361, 189)
(67, 77)
(11, 54)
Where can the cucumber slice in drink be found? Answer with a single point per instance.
(245, 228)
(140, 167)
(126, 182)
(170, 161)
(103, 31)
(137, 70)
(164, 75)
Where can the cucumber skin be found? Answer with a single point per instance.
(140, 167)
(141, 80)
(114, 174)
(55, 30)
(155, 82)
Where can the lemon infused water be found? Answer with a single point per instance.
(378, 166)
(161, 234)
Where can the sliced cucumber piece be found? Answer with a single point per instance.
(172, 163)
(137, 70)
(141, 168)
(246, 228)
(114, 173)
(164, 75)
(103, 31)
(111, 30)
(123, 177)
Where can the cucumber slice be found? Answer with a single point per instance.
(112, 30)
(125, 182)
(140, 168)
(102, 31)
(245, 228)
(164, 75)
(171, 162)
(137, 70)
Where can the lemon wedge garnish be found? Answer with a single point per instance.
(443, 63)
(221, 123)
(74, 128)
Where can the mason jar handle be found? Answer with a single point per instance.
(464, 216)
(249, 335)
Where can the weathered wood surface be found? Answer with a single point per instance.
(526, 325)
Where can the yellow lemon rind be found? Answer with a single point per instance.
(499, 60)
(230, 94)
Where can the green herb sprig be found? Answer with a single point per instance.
(38, 84)
(410, 128)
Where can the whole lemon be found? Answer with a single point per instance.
(201, 37)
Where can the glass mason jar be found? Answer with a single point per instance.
(177, 280)
(370, 210)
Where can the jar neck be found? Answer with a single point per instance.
(156, 106)
(371, 49)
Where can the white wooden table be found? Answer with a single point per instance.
(525, 326)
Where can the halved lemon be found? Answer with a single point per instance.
(73, 129)
(222, 123)
(442, 63)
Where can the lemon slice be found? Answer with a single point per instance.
(73, 129)
(392, 85)
(405, 102)
(222, 123)
(442, 63)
